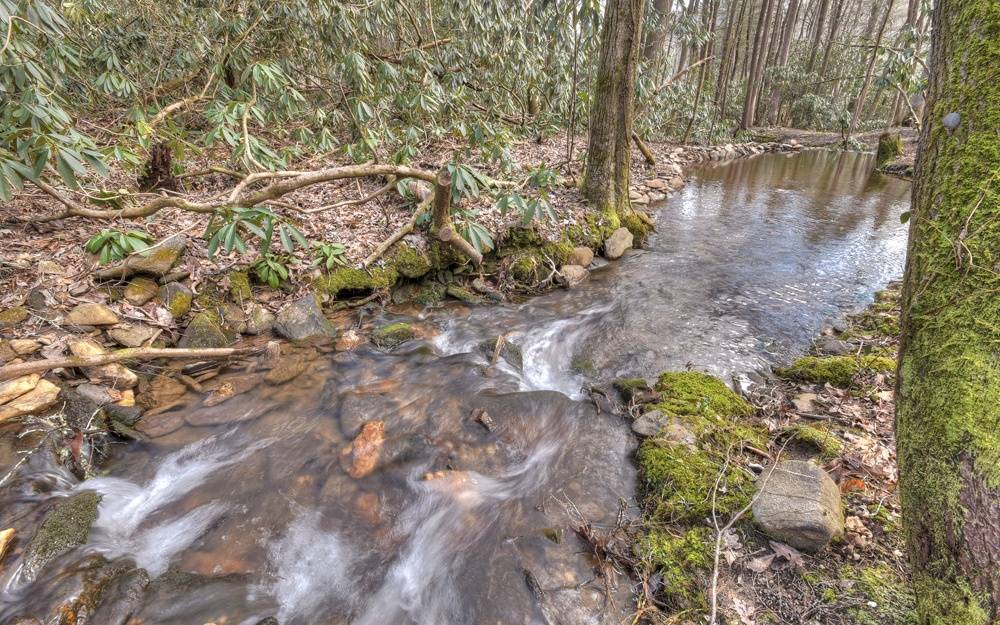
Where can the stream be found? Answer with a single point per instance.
(247, 509)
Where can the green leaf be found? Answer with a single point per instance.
(66, 172)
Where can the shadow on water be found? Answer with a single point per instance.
(252, 508)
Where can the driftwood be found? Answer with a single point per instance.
(134, 353)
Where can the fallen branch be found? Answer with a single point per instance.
(10, 372)
(401, 232)
(363, 200)
(646, 152)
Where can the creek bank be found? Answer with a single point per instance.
(819, 532)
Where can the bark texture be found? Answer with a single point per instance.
(948, 387)
(609, 154)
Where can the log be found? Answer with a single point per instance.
(646, 152)
(10, 372)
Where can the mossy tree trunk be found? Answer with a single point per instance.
(948, 388)
(609, 154)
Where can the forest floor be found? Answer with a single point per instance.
(833, 407)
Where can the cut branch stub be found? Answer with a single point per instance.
(441, 224)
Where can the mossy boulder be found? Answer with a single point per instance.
(393, 335)
(631, 388)
(839, 371)
(410, 262)
(140, 290)
(352, 281)
(65, 528)
(463, 294)
(639, 223)
(890, 147)
(204, 331)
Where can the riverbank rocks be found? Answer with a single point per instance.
(619, 241)
(64, 529)
(91, 314)
(361, 457)
(140, 290)
(303, 319)
(574, 275)
(131, 335)
(40, 397)
(204, 331)
(12, 389)
(259, 320)
(176, 298)
(158, 260)
(799, 504)
(113, 373)
(13, 316)
(582, 256)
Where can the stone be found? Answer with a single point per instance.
(232, 386)
(830, 346)
(656, 197)
(12, 389)
(100, 395)
(50, 268)
(37, 400)
(234, 320)
(619, 241)
(582, 256)
(800, 505)
(158, 261)
(6, 537)
(114, 373)
(65, 528)
(204, 331)
(24, 347)
(13, 316)
(91, 314)
(463, 295)
(131, 335)
(303, 319)
(574, 275)
(650, 423)
(804, 402)
(260, 320)
(656, 183)
(361, 457)
(349, 340)
(140, 290)
(176, 298)
(510, 352)
(676, 183)
(287, 369)
(393, 335)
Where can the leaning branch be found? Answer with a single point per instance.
(137, 353)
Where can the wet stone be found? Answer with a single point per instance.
(392, 336)
(574, 275)
(619, 241)
(361, 457)
(65, 528)
(581, 255)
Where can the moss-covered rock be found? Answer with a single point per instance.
(410, 262)
(13, 316)
(696, 393)
(683, 561)
(463, 294)
(631, 388)
(823, 441)
(511, 352)
(890, 147)
(393, 335)
(351, 280)
(64, 529)
(430, 293)
(176, 298)
(639, 224)
(204, 331)
(836, 370)
(239, 286)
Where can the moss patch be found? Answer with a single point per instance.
(837, 370)
(239, 286)
(64, 529)
(639, 224)
(410, 262)
(894, 602)
(681, 560)
(393, 335)
(696, 393)
(350, 280)
(13, 316)
(823, 441)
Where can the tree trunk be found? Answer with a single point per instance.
(609, 154)
(817, 34)
(948, 387)
(658, 36)
(786, 43)
(757, 65)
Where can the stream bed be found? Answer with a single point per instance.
(252, 509)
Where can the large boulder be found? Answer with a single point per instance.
(619, 241)
(303, 319)
(158, 260)
(799, 504)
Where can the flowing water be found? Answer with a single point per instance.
(245, 510)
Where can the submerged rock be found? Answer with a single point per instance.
(393, 335)
(511, 352)
(800, 505)
(303, 319)
(619, 241)
(64, 529)
(361, 457)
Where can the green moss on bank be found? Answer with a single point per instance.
(351, 280)
(696, 393)
(682, 561)
(410, 262)
(892, 596)
(823, 441)
(239, 286)
(836, 370)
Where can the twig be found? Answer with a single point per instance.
(133, 353)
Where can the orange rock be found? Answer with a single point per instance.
(6, 537)
(362, 455)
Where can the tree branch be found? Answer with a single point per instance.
(10, 372)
